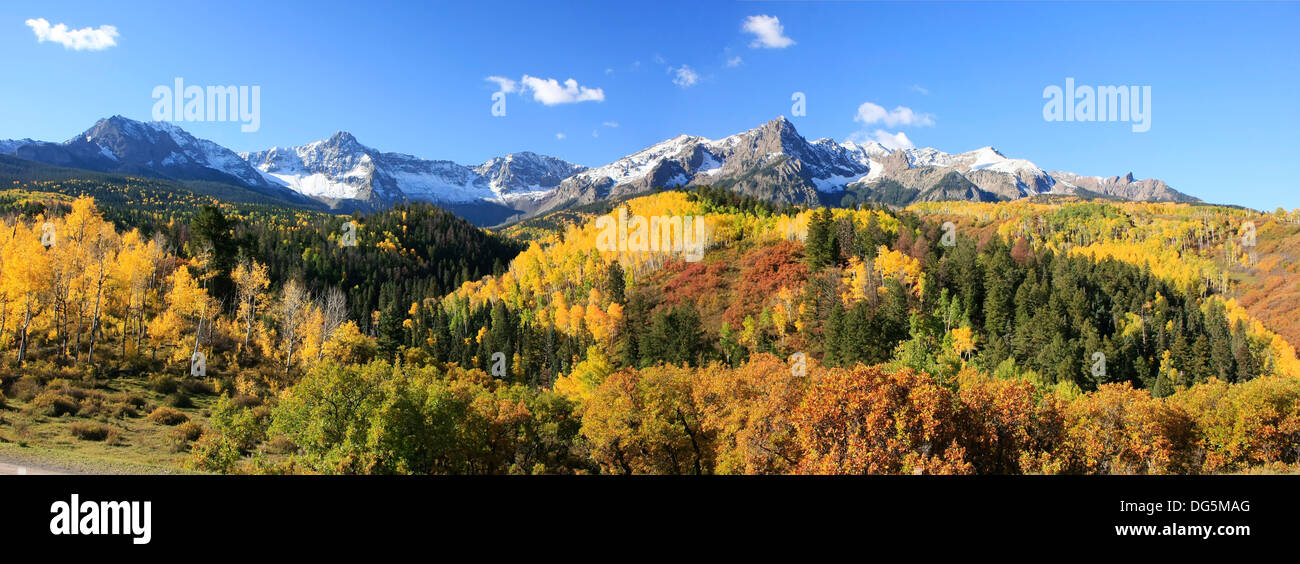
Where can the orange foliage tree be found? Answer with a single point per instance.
(866, 421)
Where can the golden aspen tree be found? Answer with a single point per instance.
(313, 332)
(102, 245)
(251, 283)
(598, 323)
(25, 275)
(6, 238)
(294, 303)
(963, 341)
(131, 272)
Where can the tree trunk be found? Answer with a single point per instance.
(94, 320)
(22, 334)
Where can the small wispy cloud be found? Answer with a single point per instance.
(504, 84)
(84, 39)
(559, 136)
(610, 124)
(768, 32)
(921, 89)
(684, 76)
(734, 61)
(869, 113)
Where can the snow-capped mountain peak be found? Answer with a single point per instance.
(771, 162)
(342, 168)
(525, 174)
(162, 149)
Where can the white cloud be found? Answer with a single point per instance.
(734, 61)
(548, 91)
(610, 124)
(767, 31)
(504, 84)
(559, 136)
(893, 140)
(869, 113)
(921, 89)
(85, 39)
(889, 140)
(684, 76)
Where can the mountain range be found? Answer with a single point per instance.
(771, 162)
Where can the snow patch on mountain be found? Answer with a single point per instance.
(9, 146)
(711, 166)
(315, 185)
(640, 164)
(836, 183)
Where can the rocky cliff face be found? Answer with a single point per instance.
(1126, 187)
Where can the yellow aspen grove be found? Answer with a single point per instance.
(186, 318)
(743, 361)
(132, 272)
(251, 283)
(895, 264)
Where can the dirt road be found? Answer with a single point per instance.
(20, 468)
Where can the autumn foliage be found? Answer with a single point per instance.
(760, 418)
(1079, 338)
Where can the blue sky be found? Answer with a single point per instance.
(412, 77)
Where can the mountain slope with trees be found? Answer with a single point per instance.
(1064, 337)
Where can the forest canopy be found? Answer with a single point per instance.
(1021, 337)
